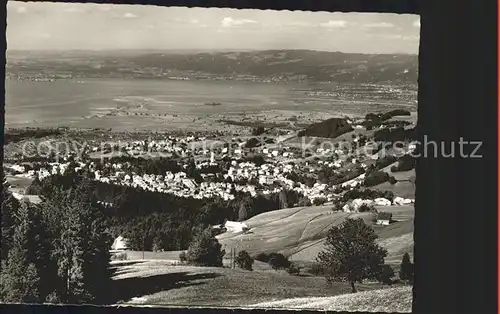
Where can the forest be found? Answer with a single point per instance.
(56, 251)
(160, 221)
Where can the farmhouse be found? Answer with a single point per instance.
(236, 227)
(384, 218)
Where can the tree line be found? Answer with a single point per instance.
(351, 255)
(56, 251)
(161, 221)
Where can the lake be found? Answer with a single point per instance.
(142, 103)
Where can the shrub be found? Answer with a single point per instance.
(244, 261)
(388, 195)
(337, 207)
(53, 297)
(304, 201)
(293, 270)
(263, 257)
(253, 142)
(405, 163)
(205, 250)
(157, 244)
(278, 261)
(319, 201)
(384, 162)
(392, 180)
(364, 208)
(257, 159)
(385, 275)
(183, 257)
(376, 177)
(407, 269)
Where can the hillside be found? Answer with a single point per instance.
(273, 65)
(382, 300)
(299, 233)
(158, 282)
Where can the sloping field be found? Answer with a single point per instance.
(395, 229)
(41, 145)
(308, 251)
(403, 175)
(316, 142)
(286, 230)
(147, 255)
(170, 258)
(397, 247)
(399, 175)
(299, 233)
(397, 239)
(160, 283)
(160, 280)
(399, 213)
(382, 300)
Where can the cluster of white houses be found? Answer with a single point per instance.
(354, 205)
(189, 146)
(270, 177)
(202, 148)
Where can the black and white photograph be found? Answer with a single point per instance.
(209, 157)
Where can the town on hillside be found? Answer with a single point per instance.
(248, 190)
(209, 158)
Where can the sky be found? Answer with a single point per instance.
(66, 26)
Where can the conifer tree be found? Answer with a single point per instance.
(69, 254)
(20, 280)
(82, 251)
(243, 211)
(406, 270)
(9, 207)
(205, 250)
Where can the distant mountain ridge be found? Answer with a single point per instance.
(268, 65)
